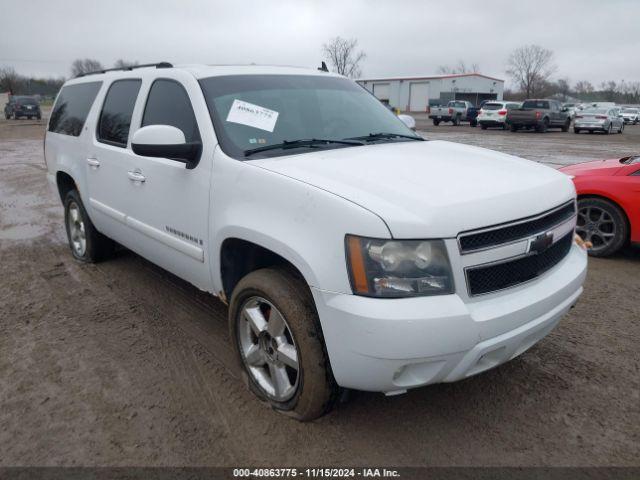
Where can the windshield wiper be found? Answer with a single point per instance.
(308, 142)
(372, 137)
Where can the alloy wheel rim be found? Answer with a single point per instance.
(268, 349)
(77, 233)
(597, 226)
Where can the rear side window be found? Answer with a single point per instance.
(536, 104)
(169, 104)
(72, 107)
(115, 118)
(492, 106)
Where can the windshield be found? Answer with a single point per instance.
(251, 111)
(492, 106)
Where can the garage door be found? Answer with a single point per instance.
(418, 97)
(382, 91)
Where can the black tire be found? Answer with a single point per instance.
(456, 121)
(39, 117)
(98, 247)
(473, 123)
(576, 130)
(567, 124)
(619, 225)
(607, 131)
(436, 122)
(316, 392)
(543, 127)
(505, 126)
(483, 127)
(513, 128)
(621, 128)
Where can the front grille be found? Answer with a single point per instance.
(515, 231)
(491, 278)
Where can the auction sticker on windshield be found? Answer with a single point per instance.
(252, 115)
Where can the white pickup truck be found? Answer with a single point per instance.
(456, 111)
(352, 252)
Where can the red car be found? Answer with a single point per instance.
(608, 203)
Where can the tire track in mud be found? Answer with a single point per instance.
(207, 368)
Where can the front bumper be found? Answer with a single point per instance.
(390, 345)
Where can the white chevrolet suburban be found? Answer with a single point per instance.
(352, 252)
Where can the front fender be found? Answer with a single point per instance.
(300, 222)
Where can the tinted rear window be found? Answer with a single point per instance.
(535, 104)
(492, 106)
(27, 101)
(115, 118)
(595, 111)
(169, 104)
(72, 107)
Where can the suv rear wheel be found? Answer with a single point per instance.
(277, 336)
(87, 244)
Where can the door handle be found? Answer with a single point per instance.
(136, 176)
(93, 162)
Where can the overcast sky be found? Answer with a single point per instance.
(594, 40)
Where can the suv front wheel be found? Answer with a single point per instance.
(277, 336)
(87, 244)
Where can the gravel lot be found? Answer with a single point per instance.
(121, 363)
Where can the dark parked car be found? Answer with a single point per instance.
(22, 107)
(539, 114)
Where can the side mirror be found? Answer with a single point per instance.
(564, 109)
(165, 141)
(408, 121)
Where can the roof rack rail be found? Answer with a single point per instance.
(131, 67)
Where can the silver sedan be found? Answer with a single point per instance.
(607, 120)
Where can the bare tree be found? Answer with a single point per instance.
(120, 63)
(344, 57)
(81, 66)
(583, 87)
(530, 66)
(461, 67)
(9, 80)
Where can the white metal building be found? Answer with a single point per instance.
(415, 94)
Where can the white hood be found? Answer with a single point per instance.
(430, 189)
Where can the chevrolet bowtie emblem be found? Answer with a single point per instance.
(540, 243)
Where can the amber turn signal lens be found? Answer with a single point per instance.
(356, 260)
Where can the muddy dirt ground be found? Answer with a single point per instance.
(120, 363)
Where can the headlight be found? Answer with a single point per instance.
(398, 268)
